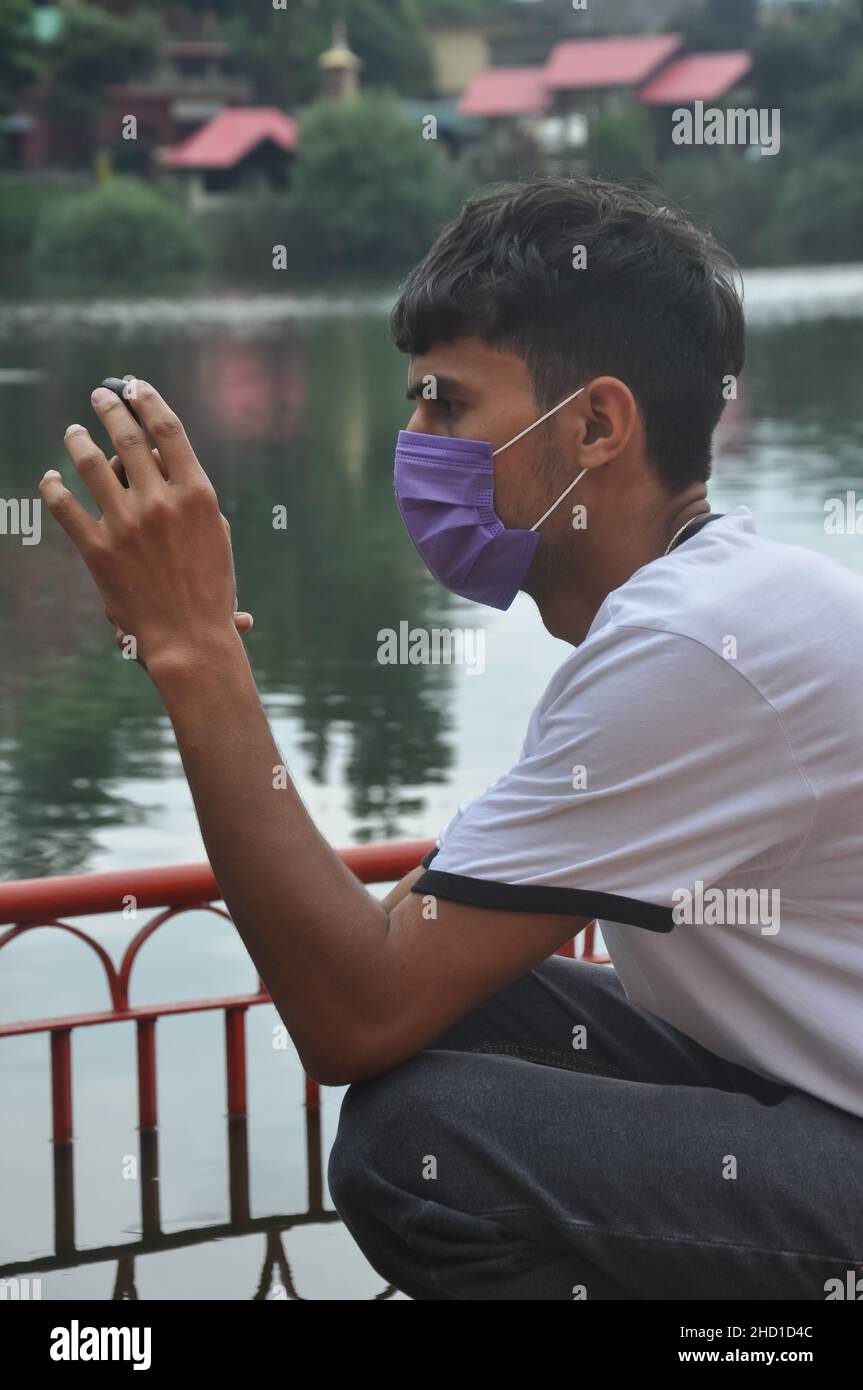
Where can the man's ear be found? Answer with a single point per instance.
(609, 415)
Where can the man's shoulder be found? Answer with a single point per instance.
(771, 614)
(741, 595)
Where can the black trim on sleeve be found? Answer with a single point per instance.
(529, 897)
(427, 858)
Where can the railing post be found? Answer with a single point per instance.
(61, 1084)
(63, 1150)
(314, 1146)
(238, 1137)
(235, 1060)
(148, 1119)
(147, 1102)
(313, 1094)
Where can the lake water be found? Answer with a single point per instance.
(291, 401)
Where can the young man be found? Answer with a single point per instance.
(520, 1125)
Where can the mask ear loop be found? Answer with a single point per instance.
(540, 421)
(556, 504)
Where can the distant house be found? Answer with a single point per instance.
(242, 144)
(556, 100)
(509, 33)
(706, 77)
(591, 74)
(194, 79)
(503, 93)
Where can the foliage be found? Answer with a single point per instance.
(620, 142)
(23, 199)
(280, 49)
(119, 233)
(818, 215)
(368, 189)
(18, 50)
(730, 194)
(718, 25)
(243, 231)
(94, 50)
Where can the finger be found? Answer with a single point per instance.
(92, 468)
(79, 525)
(128, 439)
(244, 622)
(167, 430)
(121, 472)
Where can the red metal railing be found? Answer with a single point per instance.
(40, 902)
(37, 903)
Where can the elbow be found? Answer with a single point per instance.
(359, 1062)
(328, 1073)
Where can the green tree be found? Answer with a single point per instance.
(719, 24)
(279, 49)
(620, 142)
(368, 188)
(18, 50)
(115, 232)
(804, 62)
(95, 50)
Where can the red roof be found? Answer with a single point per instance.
(505, 92)
(588, 63)
(700, 77)
(230, 136)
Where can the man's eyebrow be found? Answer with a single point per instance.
(443, 386)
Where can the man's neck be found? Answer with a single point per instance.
(568, 603)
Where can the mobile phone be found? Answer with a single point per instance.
(118, 385)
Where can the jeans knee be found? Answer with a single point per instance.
(371, 1150)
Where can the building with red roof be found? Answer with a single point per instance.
(697, 77)
(506, 92)
(581, 65)
(240, 143)
(556, 100)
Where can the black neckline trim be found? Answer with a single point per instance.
(695, 528)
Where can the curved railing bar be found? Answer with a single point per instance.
(108, 964)
(144, 933)
(31, 903)
(180, 885)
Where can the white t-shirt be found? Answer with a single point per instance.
(707, 731)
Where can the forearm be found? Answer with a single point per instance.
(313, 931)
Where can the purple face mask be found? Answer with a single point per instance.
(445, 493)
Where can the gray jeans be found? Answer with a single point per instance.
(504, 1162)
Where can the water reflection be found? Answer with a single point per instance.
(277, 1279)
(303, 422)
(294, 404)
